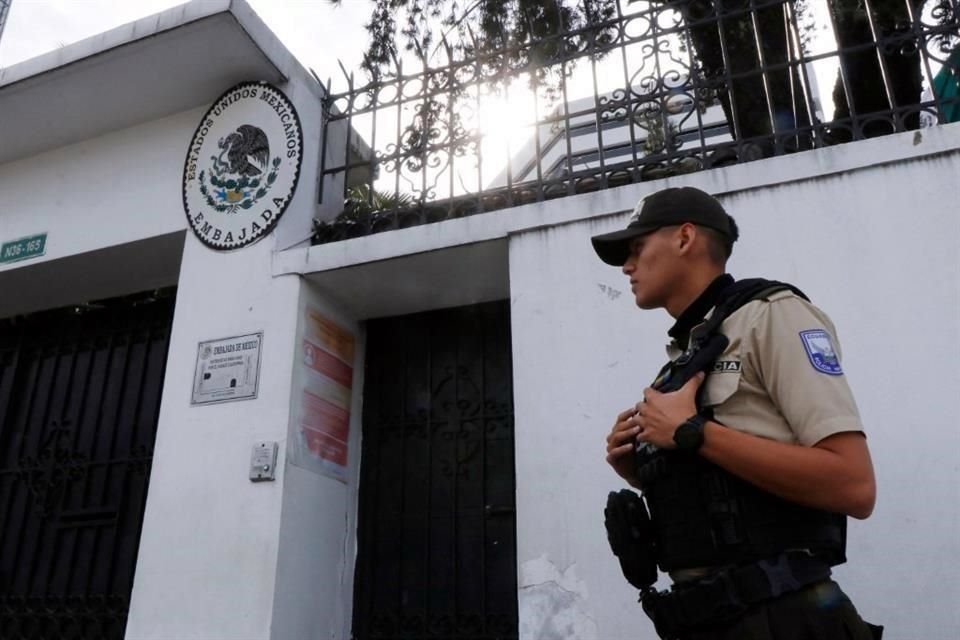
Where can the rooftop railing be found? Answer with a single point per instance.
(661, 88)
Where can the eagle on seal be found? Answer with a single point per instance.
(247, 150)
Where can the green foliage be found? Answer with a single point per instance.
(363, 207)
(363, 201)
(469, 28)
(661, 133)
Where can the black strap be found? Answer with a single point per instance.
(737, 295)
(706, 341)
(725, 596)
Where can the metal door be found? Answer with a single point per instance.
(79, 399)
(437, 527)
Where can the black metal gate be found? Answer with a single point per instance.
(437, 528)
(79, 399)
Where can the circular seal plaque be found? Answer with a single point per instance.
(242, 166)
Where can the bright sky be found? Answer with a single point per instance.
(314, 30)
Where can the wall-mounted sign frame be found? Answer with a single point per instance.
(227, 369)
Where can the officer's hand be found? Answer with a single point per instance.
(659, 415)
(620, 444)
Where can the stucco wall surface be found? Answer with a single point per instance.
(877, 248)
(208, 563)
(110, 190)
(208, 550)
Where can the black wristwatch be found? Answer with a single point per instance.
(689, 435)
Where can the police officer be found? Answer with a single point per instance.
(751, 465)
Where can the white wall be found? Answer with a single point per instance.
(314, 584)
(102, 192)
(877, 248)
(208, 562)
(111, 209)
(209, 546)
(296, 226)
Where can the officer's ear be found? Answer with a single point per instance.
(686, 237)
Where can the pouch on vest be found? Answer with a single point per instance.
(631, 537)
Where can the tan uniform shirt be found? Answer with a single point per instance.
(780, 376)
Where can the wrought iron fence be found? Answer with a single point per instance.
(662, 88)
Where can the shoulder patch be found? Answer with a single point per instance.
(819, 348)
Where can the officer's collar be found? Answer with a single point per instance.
(695, 312)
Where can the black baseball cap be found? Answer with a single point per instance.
(665, 208)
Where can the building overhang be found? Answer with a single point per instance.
(450, 277)
(151, 263)
(176, 60)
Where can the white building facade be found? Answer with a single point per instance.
(93, 142)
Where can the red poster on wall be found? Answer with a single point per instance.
(327, 366)
(326, 428)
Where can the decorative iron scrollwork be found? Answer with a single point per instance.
(49, 471)
(64, 617)
(671, 88)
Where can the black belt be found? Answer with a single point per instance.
(725, 596)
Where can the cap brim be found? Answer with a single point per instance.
(614, 248)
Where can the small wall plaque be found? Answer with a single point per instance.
(227, 369)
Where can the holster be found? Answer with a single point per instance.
(631, 537)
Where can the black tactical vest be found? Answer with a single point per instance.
(704, 516)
